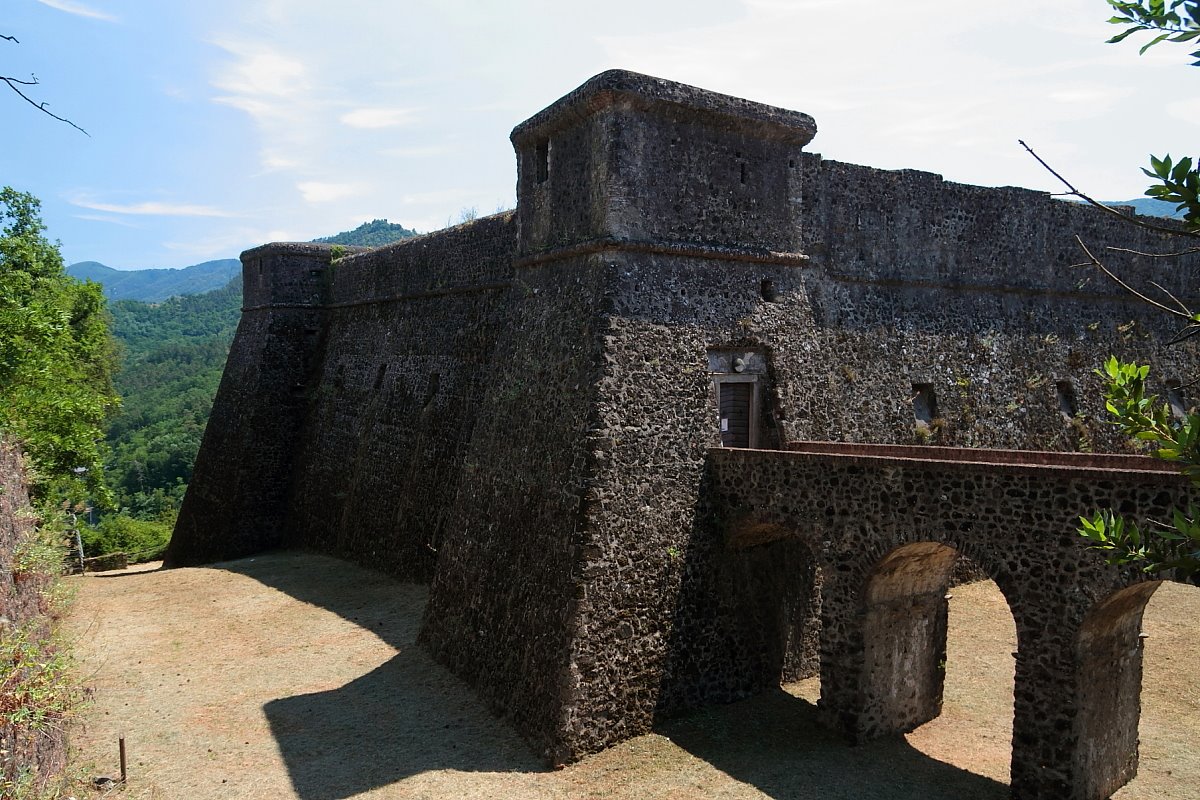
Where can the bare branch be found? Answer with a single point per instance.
(15, 85)
(1107, 209)
(1188, 252)
(1097, 263)
(1174, 299)
(10, 38)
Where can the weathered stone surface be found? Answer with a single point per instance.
(884, 530)
(521, 409)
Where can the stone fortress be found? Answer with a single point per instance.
(692, 419)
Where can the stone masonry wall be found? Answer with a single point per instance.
(237, 500)
(1076, 620)
(502, 609)
(406, 362)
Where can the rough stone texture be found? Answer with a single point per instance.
(408, 344)
(523, 408)
(884, 531)
(243, 473)
(24, 611)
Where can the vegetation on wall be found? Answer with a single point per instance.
(1173, 435)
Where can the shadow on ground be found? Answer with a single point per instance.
(406, 716)
(774, 743)
(410, 715)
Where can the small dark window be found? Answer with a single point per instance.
(1068, 403)
(743, 166)
(379, 376)
(542, 157)
(924, 403)
(768, 291)
(1175, 399)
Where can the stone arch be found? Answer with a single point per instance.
(1109, 685)
(904, 616)
(774, 579)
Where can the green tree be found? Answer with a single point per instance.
(56, 355)
(1167, 544)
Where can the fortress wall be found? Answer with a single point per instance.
(845, 345)
(501, 611)
(237, 500)
(971, 290)
(405, 365)
(522, 406)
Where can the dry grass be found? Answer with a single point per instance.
(296, 676)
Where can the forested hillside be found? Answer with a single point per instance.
(375, 233)
(56, 391)
(173, 355)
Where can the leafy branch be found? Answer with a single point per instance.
(1177, 21)
(1159, 546)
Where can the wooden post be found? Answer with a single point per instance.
(121, 745)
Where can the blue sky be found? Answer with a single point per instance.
(221, 125)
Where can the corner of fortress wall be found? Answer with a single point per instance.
(519, 409)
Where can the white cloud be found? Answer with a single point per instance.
(227, 243)
(417, 152)
(260, 70)
(323, 192)
(78, 9)
(153, 208)
(1185, 110)
(372, 118)
(111, 220)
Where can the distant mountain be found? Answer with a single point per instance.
(1148, 207)
(156, 285)
(375, 233)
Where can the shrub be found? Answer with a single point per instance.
(142, 540)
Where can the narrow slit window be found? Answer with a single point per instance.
(1175, 399)
(1068, 402)
(542, 157)
(379, 376)
(743, 166)
(924, 404)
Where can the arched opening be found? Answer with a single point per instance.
(904, 615)
(1109, 683)
(774, 582)
(1169, 762)
(974, 730)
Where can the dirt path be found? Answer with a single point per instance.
(295, 676)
